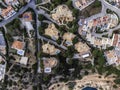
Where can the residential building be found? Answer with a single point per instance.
(99, 42)
(81, 4)
(52, 31)
(98, 24)
(114, 2)
(50, 49)
(7, 12)
(49, 63)
(19, 46)
(27, 17)
(68, 38)
(62, 14)
(116, 41)
(83, 49)
(27, 22)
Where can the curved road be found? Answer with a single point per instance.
(105, 6)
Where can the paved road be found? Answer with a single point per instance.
(102, 13)
(42, 12)
(3, 3)
(73, 3)
(52, 42)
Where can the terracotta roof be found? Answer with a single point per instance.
(18, 45)
(115, 40)
(27, 16)
(6, 11)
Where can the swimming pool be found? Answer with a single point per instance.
(89, 88)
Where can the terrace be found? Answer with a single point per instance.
(68, 38)
(49, 63)
(52, 31)
(62, 14)
(19, 46)
(82, 48)
(26, 20)
(50, 49)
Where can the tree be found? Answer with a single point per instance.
(41, 30)
(34, 67)
(71, 85)
(41, 17)
(69, 3)
(117, 81)
(41, 64)
(70, 52)
(97, 4)
(115, 86)
(34, 88)
(75, 12)
(75, 40)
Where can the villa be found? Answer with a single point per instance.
(49, 63)
(62, 14)
(50, 49)
(81, 4)
(68, 38)
(19, 46)
(27, 22)
(83, 49)
(52, 31)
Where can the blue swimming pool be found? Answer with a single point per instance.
(89, 88)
